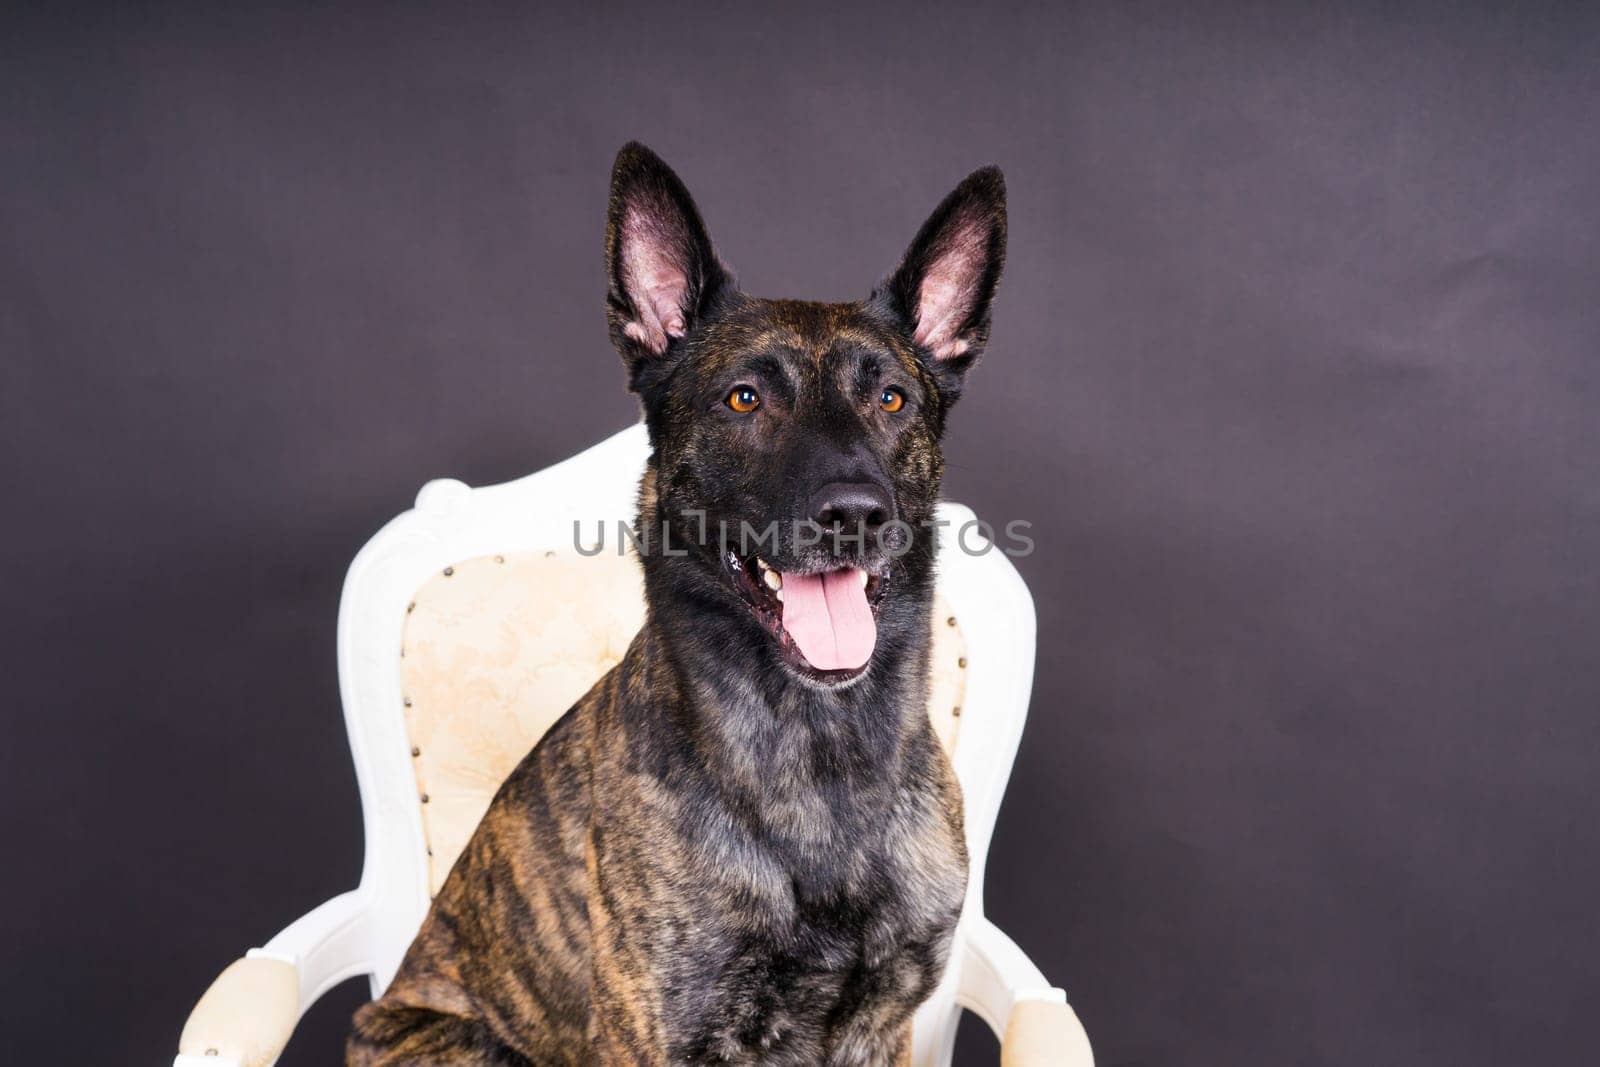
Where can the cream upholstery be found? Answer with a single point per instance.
(497, 648)
(1044, 1033)
(246, 1016)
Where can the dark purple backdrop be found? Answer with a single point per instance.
(1295, 370)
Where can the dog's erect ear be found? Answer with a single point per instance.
(942, 290)
(660, 268)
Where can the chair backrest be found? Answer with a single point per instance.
(469, 624)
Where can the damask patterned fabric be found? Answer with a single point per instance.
(497, 648)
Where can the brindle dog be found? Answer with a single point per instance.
(744, 844)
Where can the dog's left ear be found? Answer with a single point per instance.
(942, 289)
(661, 271)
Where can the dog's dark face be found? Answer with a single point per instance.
(797, 444)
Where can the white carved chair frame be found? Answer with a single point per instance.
(247, 1016)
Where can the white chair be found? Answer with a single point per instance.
(463, 636)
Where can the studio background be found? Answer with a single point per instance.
(1294, 369)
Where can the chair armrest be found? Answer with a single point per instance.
(245, 1018)
(1044, 1033)
(999, 984)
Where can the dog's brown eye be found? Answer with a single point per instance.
(744, 400)
(892, 400)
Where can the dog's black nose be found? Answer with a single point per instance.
(852, 505)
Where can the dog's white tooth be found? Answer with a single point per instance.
(779, 593)
(863, 578)
(763, 564)
(773, 579)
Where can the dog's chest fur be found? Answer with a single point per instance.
(658, 882)
(808, 864)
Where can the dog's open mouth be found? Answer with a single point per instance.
(826, 621)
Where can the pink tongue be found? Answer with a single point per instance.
(828, 618)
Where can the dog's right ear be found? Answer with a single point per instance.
(661, 270)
